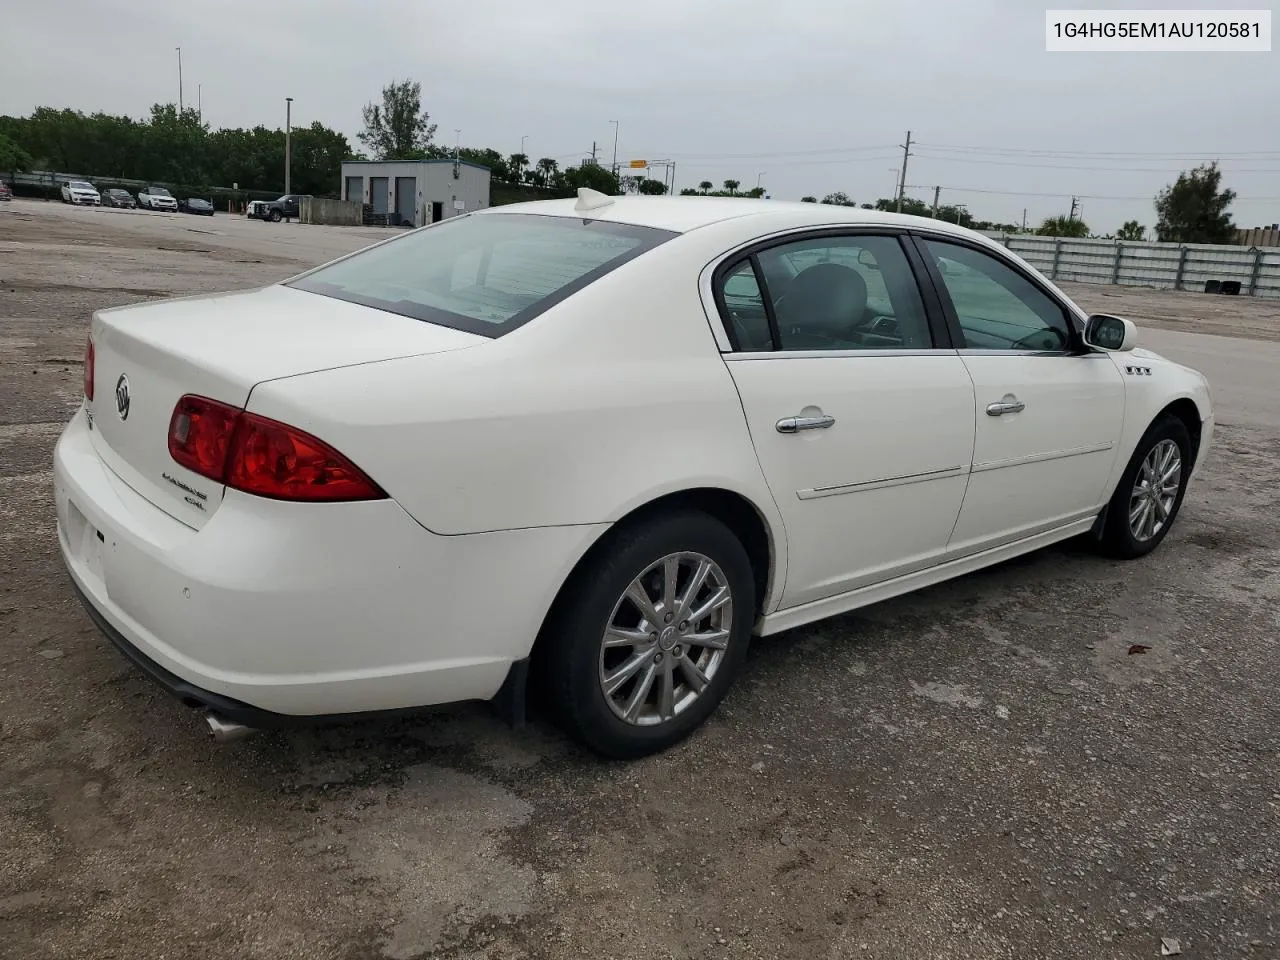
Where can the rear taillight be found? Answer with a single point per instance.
(262, 456)
(88, 369)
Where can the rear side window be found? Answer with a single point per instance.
(484, 274)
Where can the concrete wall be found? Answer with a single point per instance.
(337, 213)
(1167, 266)
(433, 182)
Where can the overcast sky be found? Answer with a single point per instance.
(809, 95)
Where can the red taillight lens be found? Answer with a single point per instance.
(200, 435)
(262, 456)
(88, 369)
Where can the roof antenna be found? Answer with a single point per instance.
(589, 199)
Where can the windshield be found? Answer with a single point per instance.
(486, 273)
(159, 192)
(80, 185)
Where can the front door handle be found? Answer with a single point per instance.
(796, 424)
(1007, 404)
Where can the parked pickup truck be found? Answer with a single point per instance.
(284, 208)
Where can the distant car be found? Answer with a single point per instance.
(379, 482)
(195, 205)
(156, 198)
(80, 191)
(115, 197)
(286, 207)
(6, 193)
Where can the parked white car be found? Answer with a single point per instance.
(156, 198)
(81, 192)
(610, 439)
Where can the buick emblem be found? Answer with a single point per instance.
(122, 397)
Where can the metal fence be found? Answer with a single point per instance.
(1166, 266)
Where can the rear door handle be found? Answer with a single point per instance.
(1007, 404)
(796, 424)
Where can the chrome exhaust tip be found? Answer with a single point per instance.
(226, 731)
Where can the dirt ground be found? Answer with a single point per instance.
(983, 770)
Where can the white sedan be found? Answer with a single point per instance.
(593, 445)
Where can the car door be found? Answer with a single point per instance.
(1048, 412)
(863, 426)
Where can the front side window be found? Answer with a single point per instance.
(997, 307)
(484, 274)
(854, 292)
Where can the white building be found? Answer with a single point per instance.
(417, 192)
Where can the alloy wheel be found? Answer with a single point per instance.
(666, 639)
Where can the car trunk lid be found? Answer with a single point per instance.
(148, 356)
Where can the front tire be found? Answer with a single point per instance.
(650, 633)
(1147, 499)
(275, 216)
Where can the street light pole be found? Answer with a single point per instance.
(288, 135)
(615, 146)
(758, 176)
(179, 49)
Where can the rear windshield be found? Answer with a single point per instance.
(486, 273)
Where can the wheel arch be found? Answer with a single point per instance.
(1185, 410)
(748, 522)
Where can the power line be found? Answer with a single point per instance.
(1083, 169)
(1080, 196)
(682, 157)
(1109, 154)
(807, 163)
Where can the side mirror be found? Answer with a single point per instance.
(1110, 334)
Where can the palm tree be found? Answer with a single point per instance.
(517, 162)
(732, 186)
(705, 186)
(547, 167)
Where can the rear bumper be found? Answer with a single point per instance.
(274, 613)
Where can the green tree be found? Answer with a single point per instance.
(515, 166)
(705, 186)
(1131, 230)
(654, 188)
(398, 128)
(12, 156)
(689, 192)
(731, 187)
(1063, 227)
(755, 193)
(808, 199)
(838, 199)
(1194, 209)
(593, 176)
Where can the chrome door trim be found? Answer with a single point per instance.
(1043, 457)
(841, 488)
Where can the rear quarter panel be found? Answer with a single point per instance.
(614, 397)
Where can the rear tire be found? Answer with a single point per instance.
(625, 685)
(1147, 499)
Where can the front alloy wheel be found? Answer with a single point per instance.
(1147, 499)
(1155, 490)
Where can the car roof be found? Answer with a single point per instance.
(681, 214)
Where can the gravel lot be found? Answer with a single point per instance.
(982, 770)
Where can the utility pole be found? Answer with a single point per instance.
(936, 191)
(1024, 219)
(615, 146)
(593, 152)
(179, 49)
(902, 178)
(288, 128)
(1075, 202)
(200, 102)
